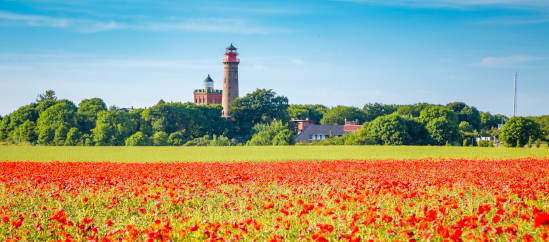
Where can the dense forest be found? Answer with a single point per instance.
(259, 118)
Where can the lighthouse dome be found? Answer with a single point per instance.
(208, 82)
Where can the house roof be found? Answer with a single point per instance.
(305, 135)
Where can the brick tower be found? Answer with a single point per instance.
(207, 95)
(230, 80)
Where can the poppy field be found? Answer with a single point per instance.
(339, 200)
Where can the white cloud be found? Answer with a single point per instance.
(516, 21)
(457, 3)
(35, 20)
(505, 61)
(217, 25)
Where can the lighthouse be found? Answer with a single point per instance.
(230, 80)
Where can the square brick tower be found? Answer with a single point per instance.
(208, 95)
(230, 80)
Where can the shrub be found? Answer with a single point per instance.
(160, 138)
(138, 139)
(178, 138)
(517, 131)
(485, 143)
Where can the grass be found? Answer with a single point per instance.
(257, 153)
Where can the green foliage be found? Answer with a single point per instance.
(113, 127)
(485, 143)
(464, 126)
(389, 130)
(312, 112)
(417, 131)
(200, 141)
(206, 141)
(543, 122)
(260, 106)
(73, 137)
(530, 142)
(434, 112)
(275, 133)
(359, 138)
(160, 138)
(413, 110)
(60, 135)
(49, 95)
(219, 141)
(441, 123)
(87, 139)
(178, 138)
(197, 120)
(4, 131)
(54, 123)
(87, 112)
(45, 135)
(442, 130)
(21, 115)
(46, 100)
(374, 110)
(25, 132)
(465, 113)
(538, 143)
(138, 139)
(464, 143)
(338, 115)
(518, 130)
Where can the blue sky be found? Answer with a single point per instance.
(134, 53)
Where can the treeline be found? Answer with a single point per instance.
(259, 118)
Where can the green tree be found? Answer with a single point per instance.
(60, 135)
(178, 138)
(374, 110)
(413, 110)
(441, 123)
(442, 130)
(200, 141)
(25, 132)
(113, 127)
(338, 115)
(517, 130)
(4, 124)
(464, 126)
(312, 112)
(389, 130)
(219, 141)
(73, 137)
(87, 113)
(543, 122)
(434, 112)
(260, 106)
(275, 133)
(138, 139)
(206, 141)
(53, 124)
(46, 100)
(45, 135)
(160, 138)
